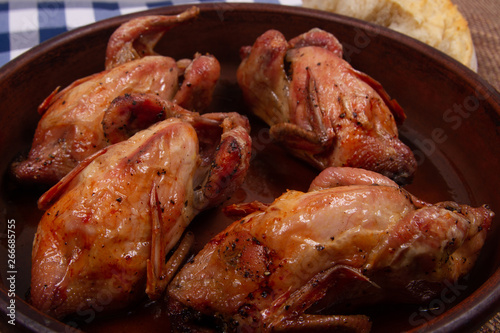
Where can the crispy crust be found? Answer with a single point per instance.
(437, 23)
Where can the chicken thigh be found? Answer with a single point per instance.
(320, 108)
(355, 237)
(70, 127)
(110, 223)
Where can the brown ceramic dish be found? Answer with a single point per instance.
(453, 126)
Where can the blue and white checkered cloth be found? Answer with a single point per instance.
(26, 23)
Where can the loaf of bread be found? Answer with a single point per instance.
(437, 23)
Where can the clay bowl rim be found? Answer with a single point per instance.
(476, 307)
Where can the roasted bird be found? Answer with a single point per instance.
(70, 127)
(355, 237)
(320, 108)
(110, 223)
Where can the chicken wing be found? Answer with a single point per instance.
(320, 108)
(110, 223)
(345, 240)
(70, 128)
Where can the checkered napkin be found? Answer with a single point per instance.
(26, 23)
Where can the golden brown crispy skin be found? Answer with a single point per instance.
(355, 243)
(110, 223)
(320, 108)
(70, 128)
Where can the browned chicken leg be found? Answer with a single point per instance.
(344, 241)
(70, 128)
(110, 223)
(320, 108)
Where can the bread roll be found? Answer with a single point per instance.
(434, 22)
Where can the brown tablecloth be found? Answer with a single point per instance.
(484, 22)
